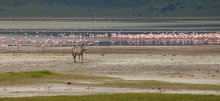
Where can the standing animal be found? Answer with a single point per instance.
(78, 50)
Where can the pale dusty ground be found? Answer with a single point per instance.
(62, 89)
(193, 64)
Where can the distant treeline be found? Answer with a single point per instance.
(110, 8)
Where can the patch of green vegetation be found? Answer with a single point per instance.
(13, 78)
(122, 97)
(159, 85)
(33, 74)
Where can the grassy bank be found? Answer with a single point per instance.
(15, 78)
(122, 97)
(151, 84)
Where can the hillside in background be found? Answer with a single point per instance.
(110, 8)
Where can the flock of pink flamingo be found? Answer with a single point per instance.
(169, 39)
(43, 41)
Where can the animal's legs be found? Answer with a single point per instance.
(74, 58)
(82, 58)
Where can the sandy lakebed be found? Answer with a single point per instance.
(174, 64)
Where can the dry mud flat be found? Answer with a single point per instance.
(179, 64)
(63, 89)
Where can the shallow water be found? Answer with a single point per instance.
(38, 32)
(105, 26)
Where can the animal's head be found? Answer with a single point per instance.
(83, 47)
(73, 47)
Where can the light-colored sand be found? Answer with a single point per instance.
(62, 89)
(169, 79)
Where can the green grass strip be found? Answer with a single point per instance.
(122, 97)
(160, 85)
(14, 78)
